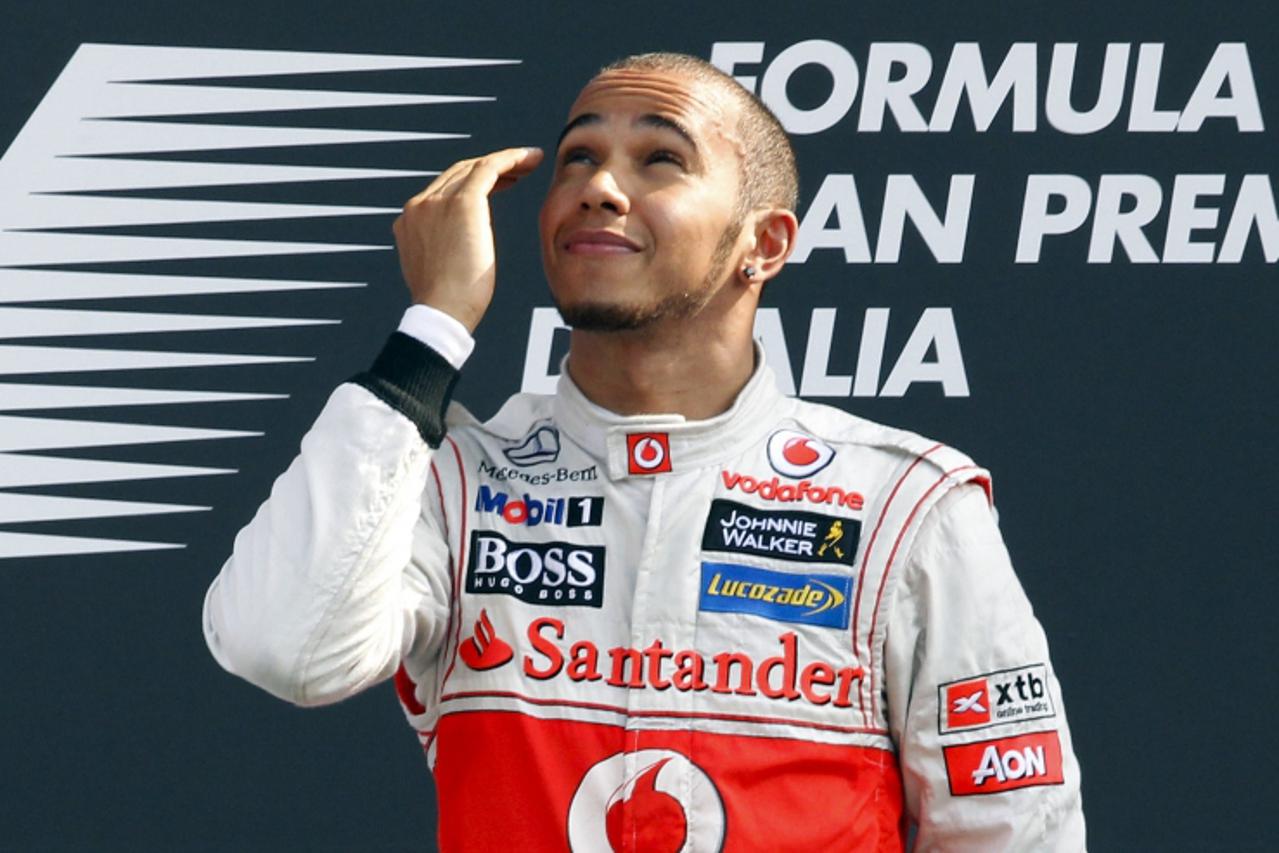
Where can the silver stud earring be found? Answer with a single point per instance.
(749, 272)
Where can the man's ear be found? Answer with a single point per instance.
(774, 232)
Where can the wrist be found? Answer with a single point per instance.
(440, 331)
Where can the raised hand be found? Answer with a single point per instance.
(445, 234)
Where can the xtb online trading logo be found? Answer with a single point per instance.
(118, 145)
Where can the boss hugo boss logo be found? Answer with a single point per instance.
(785, 534)
(795, 454)
(536, 572)
(994, 698)
(528, 511)
(809, 599)
(994, 766)
(648, 453)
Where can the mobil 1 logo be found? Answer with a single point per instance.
(554, 573)
(528, 511)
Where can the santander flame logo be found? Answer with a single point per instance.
(632, 801)
(485, 649)
(794, 454)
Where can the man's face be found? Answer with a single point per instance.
(640, 219)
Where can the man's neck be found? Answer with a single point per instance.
(683, 370)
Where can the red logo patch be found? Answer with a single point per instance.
(967, 704)
(648, 453)
(993, 766)
(796, 455)
(657, 817)
(653, 808)
(799, 451)
(485, 649)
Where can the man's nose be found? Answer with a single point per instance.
(604, 191)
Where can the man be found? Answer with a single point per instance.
(667, 608)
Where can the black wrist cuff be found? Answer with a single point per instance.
(415, 380)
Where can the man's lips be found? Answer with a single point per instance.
(598, 242)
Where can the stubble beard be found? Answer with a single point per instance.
(603, 317)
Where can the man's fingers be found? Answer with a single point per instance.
(521, 168)
(443, 179)
(504, 167)
(510, 164)
(484, 174)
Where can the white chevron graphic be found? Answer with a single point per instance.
(51, 322)
(18, 508)
(102, 127)
(59, 286)
(16, 361)
(13, 545)
(19, 469)
(17, 398)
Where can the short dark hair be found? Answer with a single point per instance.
(768, 174)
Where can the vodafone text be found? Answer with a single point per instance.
(660, 668)
(804, 490)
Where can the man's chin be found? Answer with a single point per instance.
(588, 316)
(603, 317)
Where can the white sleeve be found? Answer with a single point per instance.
(974, 707)
(440, 331)
(344, 568)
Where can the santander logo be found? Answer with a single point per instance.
(485, 649)
(632, 801)
(795, 454)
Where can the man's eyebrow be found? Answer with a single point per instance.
(583, 119)
(664, 123)
(646, 120)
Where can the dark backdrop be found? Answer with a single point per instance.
(1127, 410)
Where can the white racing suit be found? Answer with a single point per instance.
(780, 629)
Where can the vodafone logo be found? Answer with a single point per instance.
(794, 454)
(644, 801)
(648, 453)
